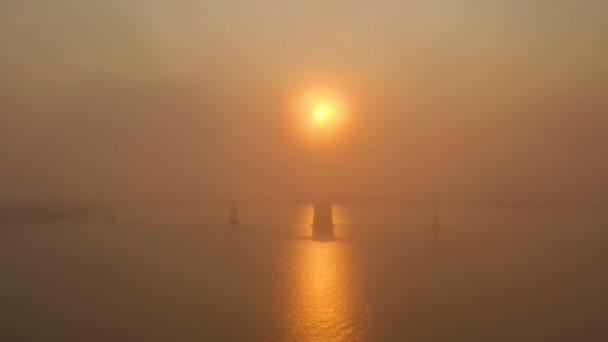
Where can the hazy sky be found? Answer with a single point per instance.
(505, 100)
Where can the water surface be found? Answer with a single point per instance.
(183, 274)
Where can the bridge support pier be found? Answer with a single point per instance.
(436, 225)
(323, 223)
(234, 214)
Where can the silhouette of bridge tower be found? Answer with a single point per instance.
(233, 213)
(436, 225)
(323, 222)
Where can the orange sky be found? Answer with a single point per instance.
(178, 99)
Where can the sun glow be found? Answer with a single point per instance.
(321, 113)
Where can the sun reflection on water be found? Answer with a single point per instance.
(321, 301)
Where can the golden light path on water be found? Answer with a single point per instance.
(322, 301)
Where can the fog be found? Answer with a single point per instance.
(192, 100)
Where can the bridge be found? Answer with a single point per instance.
(323, 222)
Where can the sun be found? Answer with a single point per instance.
(321, 113)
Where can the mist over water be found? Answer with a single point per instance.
(156, 158)
(183, 274)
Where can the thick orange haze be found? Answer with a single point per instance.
(498, 100)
